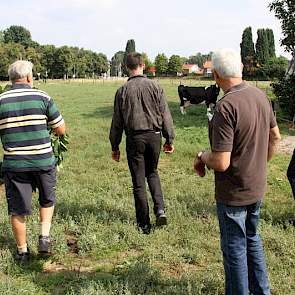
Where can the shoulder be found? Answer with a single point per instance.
(121, 89)
(14, 93)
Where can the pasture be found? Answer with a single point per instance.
(97, 248)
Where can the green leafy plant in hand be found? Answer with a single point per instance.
(59, 147)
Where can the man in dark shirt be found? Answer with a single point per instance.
(243, 136)
(141, 110)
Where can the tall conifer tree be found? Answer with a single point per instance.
(262, 47)
(271, 43)
(248, 52)
(130, 47)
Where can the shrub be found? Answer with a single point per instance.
(284, 90)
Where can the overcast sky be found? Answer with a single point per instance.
(182, 27)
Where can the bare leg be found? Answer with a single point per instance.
(18, 224)
(45, 220)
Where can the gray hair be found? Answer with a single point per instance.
(20, 69)
(227, 63)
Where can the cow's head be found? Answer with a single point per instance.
(212, 93)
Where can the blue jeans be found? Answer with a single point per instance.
(243, 257)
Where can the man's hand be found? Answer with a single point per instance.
(116, 155)
(199, 166)
(168, 148)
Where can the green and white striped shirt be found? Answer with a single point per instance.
(25, 116)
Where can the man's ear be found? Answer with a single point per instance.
(215, 75)
(29, 79)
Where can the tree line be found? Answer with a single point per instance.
(66, 61)
(260, 61)
(49, 61)
(163, 65)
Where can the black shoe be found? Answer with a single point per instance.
(22, 258)
(44, 245)
(161, 218)
(146, 229)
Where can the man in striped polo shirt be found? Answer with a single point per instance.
(26, 115)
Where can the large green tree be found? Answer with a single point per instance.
(271, 43)
(248, 52)
(34, 56)
(100, 63)
(262, 47)
(18, 34)
(48, 54)
(285, 11)
(64, 62)
(174, 64)
(198, 59)
(161, 63)
(284, 89)
(148, 63)
(10, 53)
(130, 47)
(117, 63)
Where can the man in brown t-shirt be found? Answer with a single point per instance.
(243, 136)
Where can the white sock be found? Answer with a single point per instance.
(45, 228)
(22, 249)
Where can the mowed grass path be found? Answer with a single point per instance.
(97, 248)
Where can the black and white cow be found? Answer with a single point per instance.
(195, 95)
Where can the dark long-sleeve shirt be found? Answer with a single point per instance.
(140, 105)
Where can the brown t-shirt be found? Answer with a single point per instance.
(240, 125)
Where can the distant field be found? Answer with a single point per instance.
(97, 249)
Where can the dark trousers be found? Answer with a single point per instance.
(143, 150)
(291, 173)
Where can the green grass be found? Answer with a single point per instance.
(95, 213)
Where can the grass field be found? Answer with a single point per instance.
(97, 249)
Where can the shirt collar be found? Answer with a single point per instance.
(20, 86)
(236, 87)
(137, 76)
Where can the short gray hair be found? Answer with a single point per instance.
(227, 63)
(20, 69)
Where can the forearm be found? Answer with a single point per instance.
(115, 138)
(61, 130)
(272, 148)
(218, 161)
(168, 129)
(208, 159)
(274, 139)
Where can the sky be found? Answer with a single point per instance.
(182, 27)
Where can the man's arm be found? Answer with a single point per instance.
(218, 161)
(274, 139)
(222, 141)
(55, 119)
(167, 127)
(117, 127)
(60, 130)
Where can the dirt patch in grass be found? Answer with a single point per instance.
(72, 243)
(176, 270)
(77, 264)
(287, 145)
